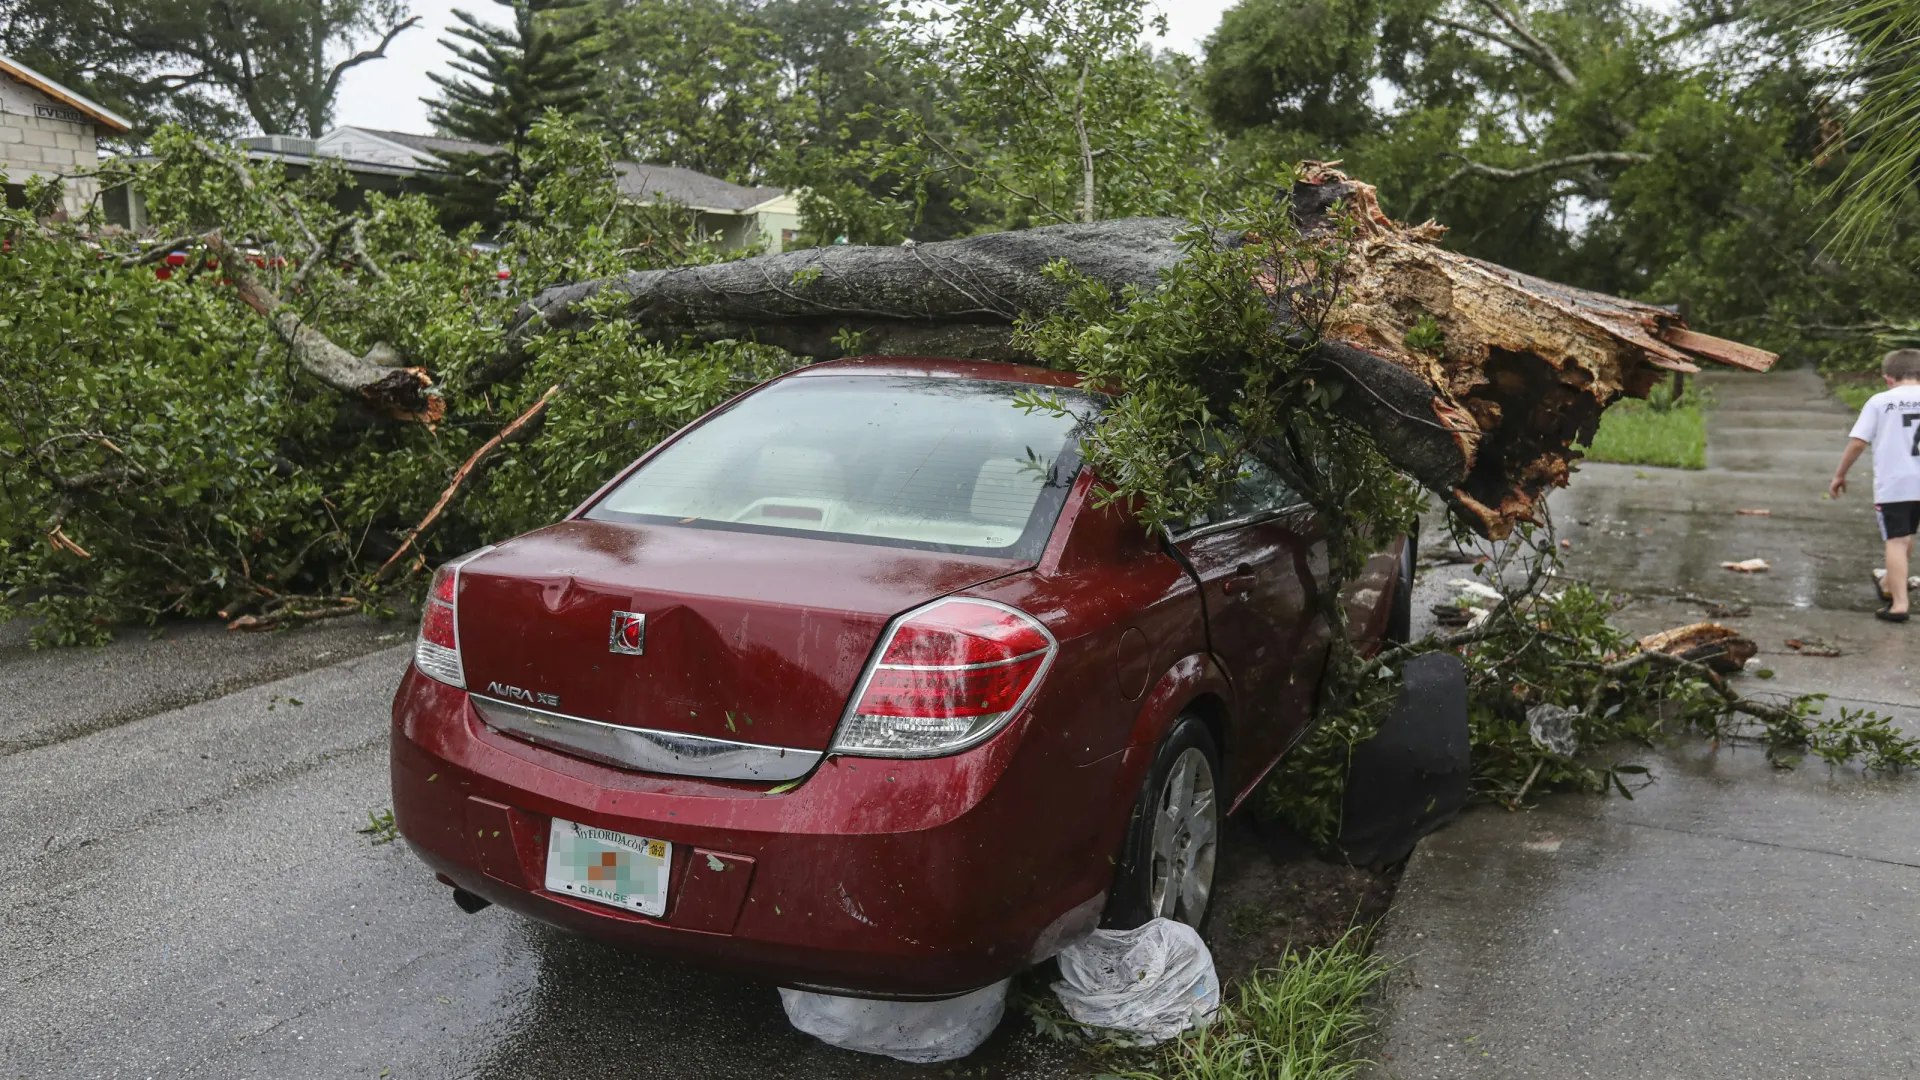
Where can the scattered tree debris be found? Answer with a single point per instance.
(1721, 648)
(1719, 610)
(1754, 513)
(1748, 566)
(1812, 646)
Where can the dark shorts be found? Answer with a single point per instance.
(1898, 519)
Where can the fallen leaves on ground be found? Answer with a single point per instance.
(1813, 647)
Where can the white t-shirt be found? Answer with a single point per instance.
(1891, 422)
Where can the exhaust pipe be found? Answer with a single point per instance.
(468, 902)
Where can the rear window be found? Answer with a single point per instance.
(944, 464)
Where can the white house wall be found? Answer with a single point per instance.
(40, 136)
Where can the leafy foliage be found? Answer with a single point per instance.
(508, 78)
(698, 84)
(1214, 369)
(1039, 112)
(1557, 648)
(162, 455)
(1877, 184)
(1688, 153)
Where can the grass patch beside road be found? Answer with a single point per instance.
(1854, 395)
(1657, 431)
(1302, 1021)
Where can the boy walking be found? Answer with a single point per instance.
(1890, 423)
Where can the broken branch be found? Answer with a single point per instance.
(521, 428)
(400, 393)
(1532, 44)
(1599, 157)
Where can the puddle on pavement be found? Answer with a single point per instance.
(1671, 533)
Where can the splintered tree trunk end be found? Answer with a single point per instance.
(1524, 369)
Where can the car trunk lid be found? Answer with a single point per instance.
(749, 637)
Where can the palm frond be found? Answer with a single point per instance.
(1883, 38)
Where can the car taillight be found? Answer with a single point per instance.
(944, 678)
(437, 651)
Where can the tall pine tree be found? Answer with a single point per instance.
(508, 78)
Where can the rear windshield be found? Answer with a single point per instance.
(944, 464)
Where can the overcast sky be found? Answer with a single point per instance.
(387, 93)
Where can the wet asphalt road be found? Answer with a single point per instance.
(183, 893)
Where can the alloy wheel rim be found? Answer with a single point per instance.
(1186, 835)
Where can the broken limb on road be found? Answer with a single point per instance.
(1514, 373)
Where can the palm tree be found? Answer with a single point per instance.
(1884, 39)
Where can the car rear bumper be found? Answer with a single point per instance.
(921, 878)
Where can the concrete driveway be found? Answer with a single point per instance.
(1732, 920)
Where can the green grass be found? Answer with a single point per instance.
(1640, 433)
(1302, 1021)
(1854, 395)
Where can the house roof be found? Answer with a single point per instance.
(101, 115)
(434, 144)
(695, 190)
(641, 182)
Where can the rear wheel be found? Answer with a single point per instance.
(1167, 865)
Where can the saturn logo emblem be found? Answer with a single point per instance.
(629, 633)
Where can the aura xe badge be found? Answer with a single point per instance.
(629, 633)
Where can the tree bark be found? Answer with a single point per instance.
(398, 393)
(1488, 421)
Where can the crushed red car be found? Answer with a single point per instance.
(855, 684)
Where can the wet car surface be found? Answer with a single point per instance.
(788, 696)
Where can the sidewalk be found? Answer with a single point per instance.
(1732, 920)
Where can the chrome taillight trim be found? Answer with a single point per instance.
(645, 749)
(988, 730)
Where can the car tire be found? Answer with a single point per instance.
(1167, 864)
(1400, 622)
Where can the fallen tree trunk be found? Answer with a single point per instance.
(1488, 419)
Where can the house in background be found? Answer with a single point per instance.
(729, 215)
(49, 130)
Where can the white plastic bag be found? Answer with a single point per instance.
(917, 1031)
(1154, 981)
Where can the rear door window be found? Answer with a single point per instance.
(939, 463)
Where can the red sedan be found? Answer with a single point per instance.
(854, 684)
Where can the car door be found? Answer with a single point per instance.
(1256, 556)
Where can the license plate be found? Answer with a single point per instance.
(608, 867)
